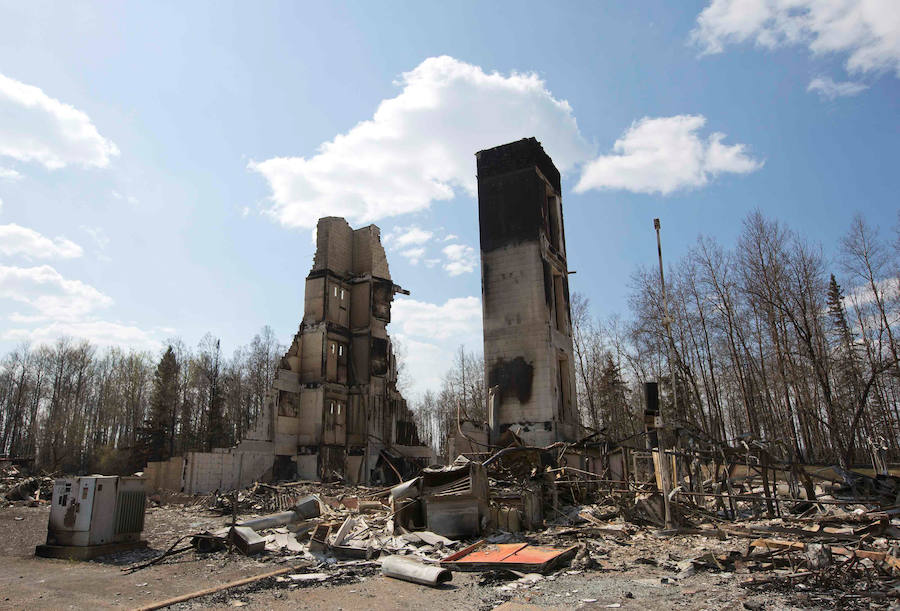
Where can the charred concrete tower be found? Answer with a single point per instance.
(525, 294)
(334, 410)
(337, 408)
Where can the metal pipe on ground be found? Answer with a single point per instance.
(399, 567)
(308, 507)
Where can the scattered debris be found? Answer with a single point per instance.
(226, 586)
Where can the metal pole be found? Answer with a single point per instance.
(663, 437)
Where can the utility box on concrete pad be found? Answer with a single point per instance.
(95, 515)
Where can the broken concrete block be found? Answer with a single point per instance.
(246, 540)
(342, 532)
(434, 539)
(287, 541)
(369, 506)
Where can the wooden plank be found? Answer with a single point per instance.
(464, 551)
(778, 544)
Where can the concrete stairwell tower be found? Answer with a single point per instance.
(525, 295)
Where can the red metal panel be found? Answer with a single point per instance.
(481, 555)
(532, 554)
(492, 553)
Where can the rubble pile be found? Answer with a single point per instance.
(264, 497)
(524, 516)
(18, 487)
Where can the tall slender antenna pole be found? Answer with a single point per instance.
(663, 437)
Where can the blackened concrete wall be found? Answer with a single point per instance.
(525, 298)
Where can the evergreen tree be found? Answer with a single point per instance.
(849, 375)
(836, 311)
(613, 405)
(160, 426)
(215, 397)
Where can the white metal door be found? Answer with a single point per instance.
(84, 502)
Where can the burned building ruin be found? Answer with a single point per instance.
(334, 411)
(525, 295)
(338, 411)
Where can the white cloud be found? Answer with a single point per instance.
(461, 259)
(863, 295)
(867, 31)
(426, 364)
(9, 174)
(49, 294)
(457, 317)
(413, 254)
(826, 87)
(61, 307)
(419, 146)
(401, 237)
(98, 235)
(36, 127)
(18, 240)
(451, 237)
(429, 263)
(131, 199)
(98, 332)
(665, 154)
(101, 241)
(431, 333)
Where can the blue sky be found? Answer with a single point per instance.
(161, 164)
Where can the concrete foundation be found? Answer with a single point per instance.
(86, 552)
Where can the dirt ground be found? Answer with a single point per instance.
(637, 573)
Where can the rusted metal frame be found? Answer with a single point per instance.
(391, 465)
(755, 497)
(885, 557)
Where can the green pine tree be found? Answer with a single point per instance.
(160, 426)
(612, 400)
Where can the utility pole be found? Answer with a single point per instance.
(664, 464)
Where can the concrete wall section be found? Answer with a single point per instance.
(334, 245)
(368, 253)
(165, 475)
(309, 430)
(211, 471)
(307, 466)
(314, 300)
(312, 355)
